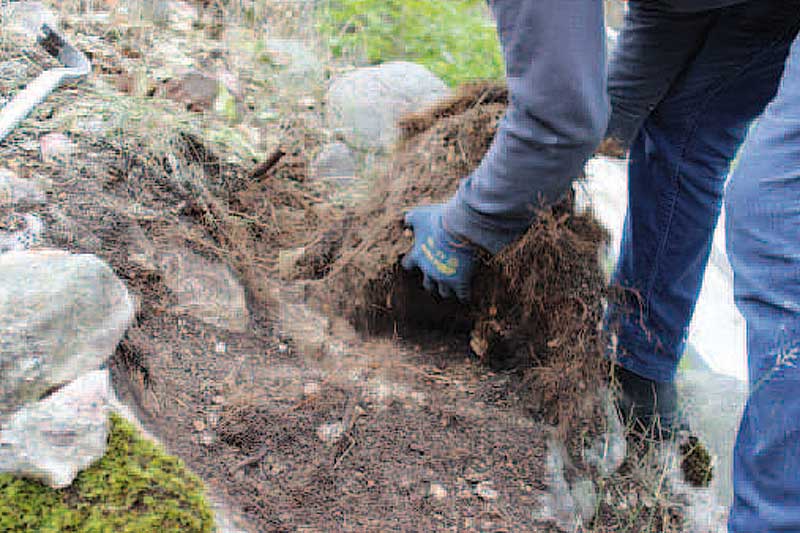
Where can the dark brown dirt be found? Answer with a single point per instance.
(244, 409)
(611, 147)
(538, 303)
(424, 426)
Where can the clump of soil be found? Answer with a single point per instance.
(538, 303)
(612, 147)
(696, 463)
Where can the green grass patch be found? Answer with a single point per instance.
(455, 39)
(135, 487)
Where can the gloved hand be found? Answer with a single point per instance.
(446, 261)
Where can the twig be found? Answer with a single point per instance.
(253, 459)
(344, 453)
(262, 168)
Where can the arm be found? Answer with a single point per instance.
(558, 110)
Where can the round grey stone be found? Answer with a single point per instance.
(364, 105)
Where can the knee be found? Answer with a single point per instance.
(590, 127)
(576, 119)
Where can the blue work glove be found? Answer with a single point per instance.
(446, 261)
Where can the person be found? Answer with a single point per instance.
(686, 82)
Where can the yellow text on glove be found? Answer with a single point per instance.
(445, 266)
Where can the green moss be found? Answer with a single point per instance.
(134, 488)
(455, 39)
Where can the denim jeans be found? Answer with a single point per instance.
(763, 236)
(686, 104)
(695, 104)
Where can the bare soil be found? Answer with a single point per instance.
(301, 422)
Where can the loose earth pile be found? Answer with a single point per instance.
(536, 306)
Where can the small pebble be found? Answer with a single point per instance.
(485, 491)
(307, 103)
(55, 146)
(329, 433)
(438, 492)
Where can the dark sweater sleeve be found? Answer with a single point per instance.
(558, 110)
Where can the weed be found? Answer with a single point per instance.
(455, 39)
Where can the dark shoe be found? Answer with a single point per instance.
(648, 407)
(650, 410)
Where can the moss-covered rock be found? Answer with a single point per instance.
(136, 487)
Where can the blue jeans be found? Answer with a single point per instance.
(687, 114)
(695, 104)
(763, 237)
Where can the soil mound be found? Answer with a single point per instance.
(536, 305)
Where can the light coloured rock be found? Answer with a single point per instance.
(485, 491)
(330, 433)
(297, 58)
(205, 289)
(20, 232)
(55, 147)
(437, 491)
(61, 315)
(182, 16)
(364, 104)
(54, 439)
(195, 90)
(15, 191)
(149, 11)
(335, 160)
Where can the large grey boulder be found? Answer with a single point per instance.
(206, 290)
(334, 161)
(363, 105)
(61, 315)
(54, 439)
